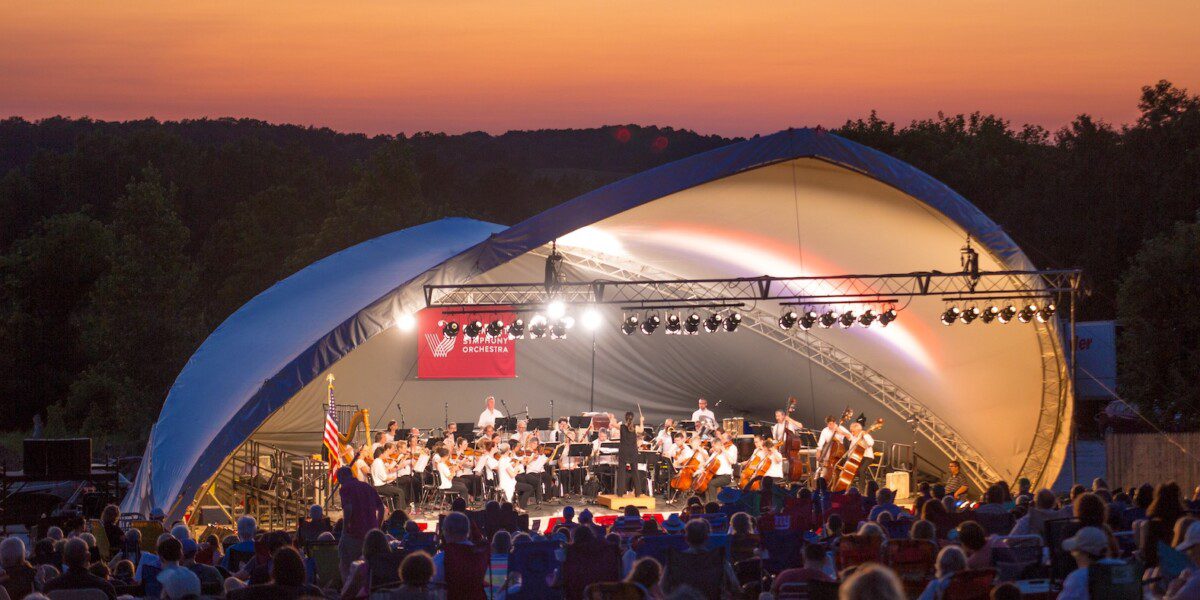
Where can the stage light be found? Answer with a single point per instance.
(1026, 315)
(867, 318)
(449, 328)
(495, 328)
(1046, 313)
(712, 323)
(888, 316)
(673, 325)
(630, 325)
(559, 328)
(808, 320)
(692, 325)
(537, 327)
(555, 310)
(1008, 313)
(732, 322)
(591, 319)
(517, 329)
(969, 315)
(828, 319)
(788, 319)
(989, 314)
(950, 316)
(847, 319)
(406, 322)
(650, 324)
(473, 328)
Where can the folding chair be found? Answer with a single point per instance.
(326, 564)
(614, 591)
(854, 550)
(1115, 582)
(1061, 561)
(811, 590)
(913, 561)
(1017, 557)
(971, 584)
(535, 562)
(150, 531)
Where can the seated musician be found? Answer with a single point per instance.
(775, 471)
(507, 470)
(535, 470)
(689, 449)
(489, 414)
(392, 431)
(721, 452)
(663, 439)
(604, 462)
(563, 432)
(362, 463)
(403, 468)
(466, 471)
(520, 437)
(383, 478)
(569, 468)
(451, 440)
(485, 436)
(445, 470)
(378, 440)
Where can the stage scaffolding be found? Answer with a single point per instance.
(635, 286)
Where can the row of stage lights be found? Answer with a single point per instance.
(994, 313)
(829, 318)
(557, 326)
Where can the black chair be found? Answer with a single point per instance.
(385, 570)
(1061, 561)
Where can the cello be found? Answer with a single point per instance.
(791, 449)
(853, 460)
(685, 478)
(831, 454)
(752, 466)
(710, 469)
(753, 473)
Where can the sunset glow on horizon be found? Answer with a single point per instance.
(724, 68)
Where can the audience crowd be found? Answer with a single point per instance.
(778, 543)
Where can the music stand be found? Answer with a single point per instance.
(687, 425)
(578, 450)
(465, 427)
(542, 423)
(579, 422)
(506, 423)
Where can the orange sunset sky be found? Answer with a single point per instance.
(733, 68)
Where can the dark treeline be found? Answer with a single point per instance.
(123, 244)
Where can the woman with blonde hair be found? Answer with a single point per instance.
(871, 582)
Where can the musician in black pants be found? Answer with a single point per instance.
(627, 458)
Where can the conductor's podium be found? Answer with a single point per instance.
(643, 502)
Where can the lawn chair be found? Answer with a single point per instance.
(994, 523)
(150, 531)
(596, 563)
(619, 590)
(102, 543)
(1017, 557)
(971, 584)
(1061, 561)
(812, 590)
(469, 565)
(783, 550)
(913, 561)
(703, 572)
(655, 546)
(535, 563)
(1115, 582)
(854, 550)
(326, 564)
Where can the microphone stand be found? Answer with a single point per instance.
(403, 425)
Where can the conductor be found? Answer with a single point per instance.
(627, 457)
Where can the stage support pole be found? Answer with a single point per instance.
(1074, 390)
(592, 391)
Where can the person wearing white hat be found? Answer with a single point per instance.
(1089, 546)
(1187, 585)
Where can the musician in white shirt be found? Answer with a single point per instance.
(489, 414)
(520, 437)
(382, 478)
(535, 471)
(445, 471)
(506, 468)
(832, 431)
(855, 431)
(704, 417)
(775, 471)
(784, 423)
(724, 475)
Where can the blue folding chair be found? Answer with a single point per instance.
(536, 563)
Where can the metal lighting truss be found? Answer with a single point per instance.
(627, 283)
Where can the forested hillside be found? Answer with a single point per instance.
(123, 244)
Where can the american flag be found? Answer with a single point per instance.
(332, 443)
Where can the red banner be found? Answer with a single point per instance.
(462, 357)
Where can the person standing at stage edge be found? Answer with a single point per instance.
(362, 511)
(627, 457)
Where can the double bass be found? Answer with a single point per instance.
(853, 460)
(831, 454)
(792, 446)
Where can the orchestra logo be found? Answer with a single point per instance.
(462, 357)
(439, 345)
